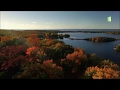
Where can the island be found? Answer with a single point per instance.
(61, 36)
(97, 39)
(101, 39)
(117, 48)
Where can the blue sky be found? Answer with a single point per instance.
(59, 20)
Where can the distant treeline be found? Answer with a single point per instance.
(108, 32)
(53, 34)
(67, 31)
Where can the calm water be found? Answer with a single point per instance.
(104, 50)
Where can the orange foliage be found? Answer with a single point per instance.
(77, 55)
(49, 41)
(58, 44)
(33, 39)
(52, 70)
(4, 38)
(75, 61)
(49, 63)
(31, 49)
(102, 73)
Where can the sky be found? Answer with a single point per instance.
(59, 20)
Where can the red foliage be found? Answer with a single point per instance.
(13, 51)
(1, 54)
(13, 56)
(13, 62)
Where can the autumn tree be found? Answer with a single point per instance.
(5, 38)
(11, 41)
(12, 58)
(52, 70)
(55, 49)
(33, 40)
(47, 70)
(94, 60)
(109, 64)
(102, 73)
(74, 62)
(49, 42)
(108, 70)
(2, 58)
(36, 54)
(32, 50)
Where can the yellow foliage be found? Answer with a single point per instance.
(102, 73)
(49, 41)
(58, 44)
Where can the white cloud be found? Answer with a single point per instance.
(34, 22)
(25, 26)
(22, 24)
(49, 23)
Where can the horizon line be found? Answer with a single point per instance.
(47, 29)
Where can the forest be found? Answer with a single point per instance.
(33, 54)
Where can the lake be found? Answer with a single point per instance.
(104, 49)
